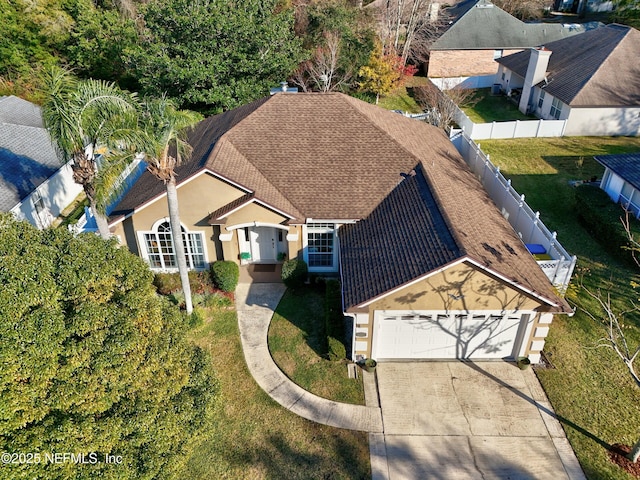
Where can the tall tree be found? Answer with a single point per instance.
(81, 117)
(214, 55)
(166, 148)
(94, 362)
(380, 75)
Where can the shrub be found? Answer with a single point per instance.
(294, 273)
(336, 350)
(602, 219)
(167, 283)
(225, 275)
(216, 300)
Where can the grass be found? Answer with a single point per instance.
(297, 343)
(484, 108)
(590, 389)
(255, 438)
(402, 99)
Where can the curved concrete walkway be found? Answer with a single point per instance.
(255, 304)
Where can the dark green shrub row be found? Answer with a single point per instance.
(294, 273)
(602, 219)
(334, 320)
(168, 283)
(225, 275)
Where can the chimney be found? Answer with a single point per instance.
(536, 72)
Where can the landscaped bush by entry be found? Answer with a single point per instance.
(225, 275)
(294, 273)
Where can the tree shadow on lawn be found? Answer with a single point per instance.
(304, 308)
(330, 455)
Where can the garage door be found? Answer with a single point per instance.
(441, 335)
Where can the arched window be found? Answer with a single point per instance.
(160, 252)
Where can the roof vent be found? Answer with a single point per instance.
(284, 88)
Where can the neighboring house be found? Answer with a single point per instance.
(591, 81)
(621, 179)
(430, 268)
(33, 183)
(485, 33)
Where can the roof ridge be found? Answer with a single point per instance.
(606, 61)
(262, 174)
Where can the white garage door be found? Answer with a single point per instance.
(440, 335)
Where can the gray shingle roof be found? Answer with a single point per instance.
(27, 156)
(598, 68)
(625, 165)
(487, 27)
(405, 237)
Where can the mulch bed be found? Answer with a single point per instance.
(617, 454)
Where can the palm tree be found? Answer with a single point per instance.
(166, 148)
(83, 116)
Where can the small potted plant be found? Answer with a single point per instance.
(369, 365)
(523, 363)
(245, 257)
(282, 256)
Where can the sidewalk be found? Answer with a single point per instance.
(255, 304)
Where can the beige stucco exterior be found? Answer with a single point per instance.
(462, 287)
(198, 198)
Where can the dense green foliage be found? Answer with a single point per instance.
(93, 361)
(225, 275)
(334, 321)
(294, 273)
(214, 54)
(603, 220)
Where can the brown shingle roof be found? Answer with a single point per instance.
(597, 68)
(332, 157)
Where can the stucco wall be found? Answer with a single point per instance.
(453, 63)
(461, 287)
(197, 199)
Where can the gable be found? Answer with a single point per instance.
(460, 287)
(486, 26)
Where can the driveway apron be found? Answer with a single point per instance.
(464, 420)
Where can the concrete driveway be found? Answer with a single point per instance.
(462, 420)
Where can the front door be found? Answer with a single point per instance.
(263, 244)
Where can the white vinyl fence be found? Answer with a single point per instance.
(514, 129)
(522, 218)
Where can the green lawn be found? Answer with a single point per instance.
(402, 99)
(296, 342)
(590, 389)
(255, 438)
(484, 108)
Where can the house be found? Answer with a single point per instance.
(621, 179)
(591, 81)
(33, 183)
(430, 268)
(483, 34)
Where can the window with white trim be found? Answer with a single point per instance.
(541, 99)
(161, 253)
(321, 244)
(38, 202)
(556, 108)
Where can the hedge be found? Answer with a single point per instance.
(225, 275)
(602, 219)
(294, 273)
